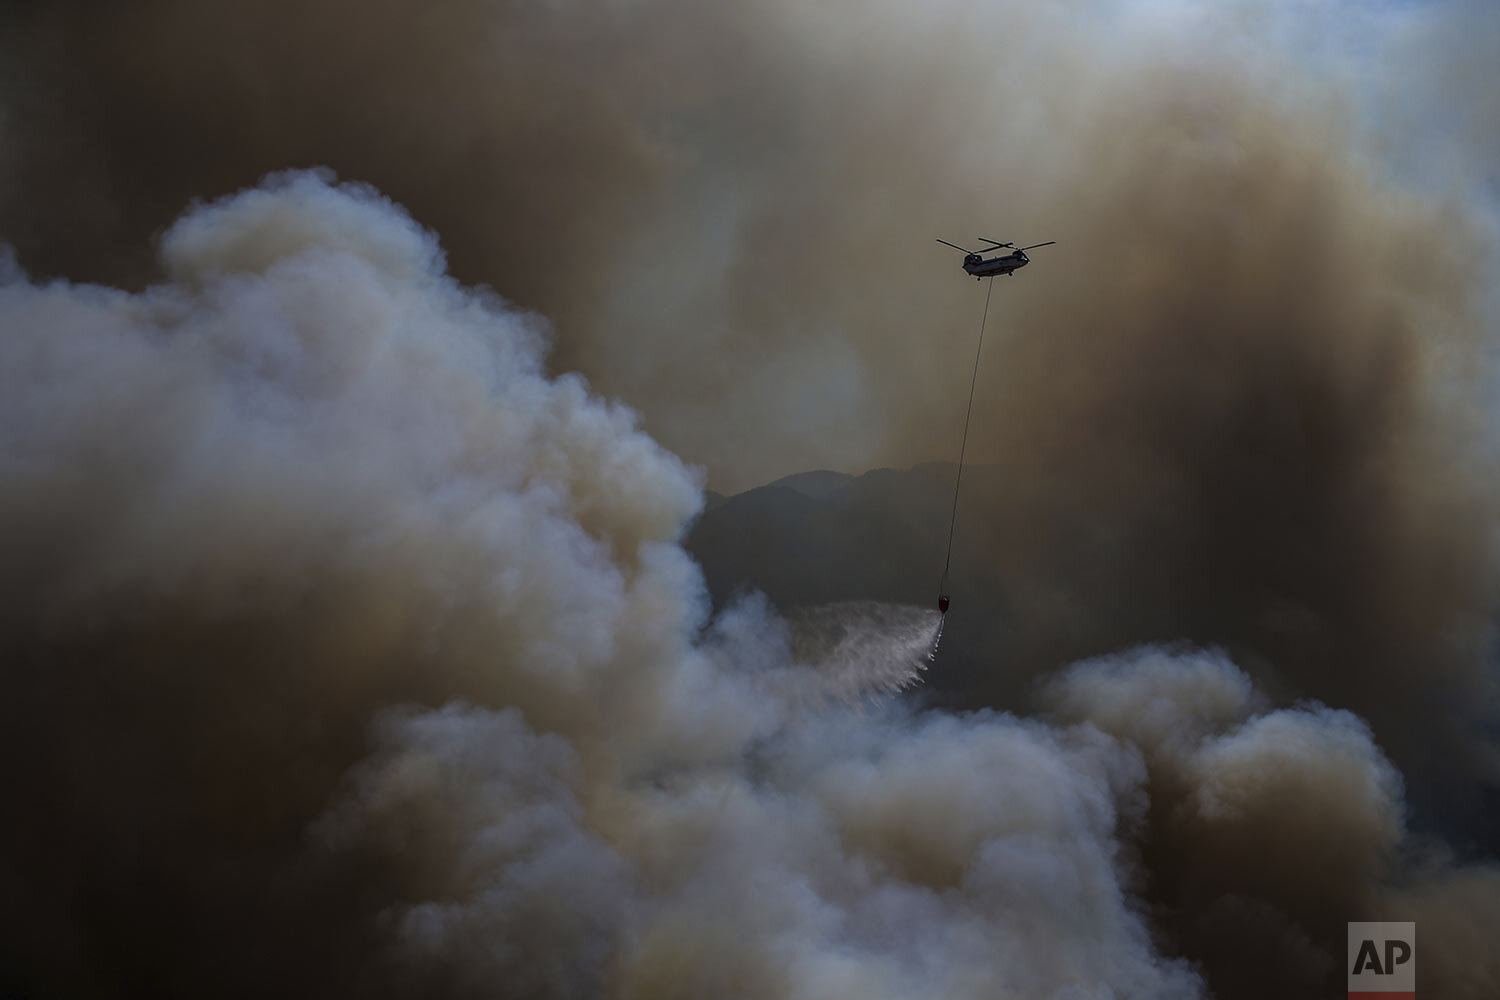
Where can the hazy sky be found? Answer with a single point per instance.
(728, 211)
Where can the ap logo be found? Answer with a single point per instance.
(1382, 961)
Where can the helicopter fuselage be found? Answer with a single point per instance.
(979, 267)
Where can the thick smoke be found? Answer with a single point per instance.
(347, 652)
(264, 513)
(1267, 828)
(728, 209)
(1243, 402)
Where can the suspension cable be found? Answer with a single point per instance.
(962, 448)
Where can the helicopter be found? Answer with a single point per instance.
(976, 264)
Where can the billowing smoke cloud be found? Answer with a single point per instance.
(339, 490)
(307, 478)
(1268, 827)
(1243, 402)
(347, 652)
(346, 648)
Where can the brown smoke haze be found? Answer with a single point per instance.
(728, 210)
(349, 645)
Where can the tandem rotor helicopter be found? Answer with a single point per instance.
(976, 264)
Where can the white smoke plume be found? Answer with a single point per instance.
(348, 653)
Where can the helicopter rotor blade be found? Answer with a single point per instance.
(1035, 245)
(955, 246)
(997, 243)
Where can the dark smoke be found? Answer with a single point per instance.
(729, 210)
(1282, 447)
(349, 650)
